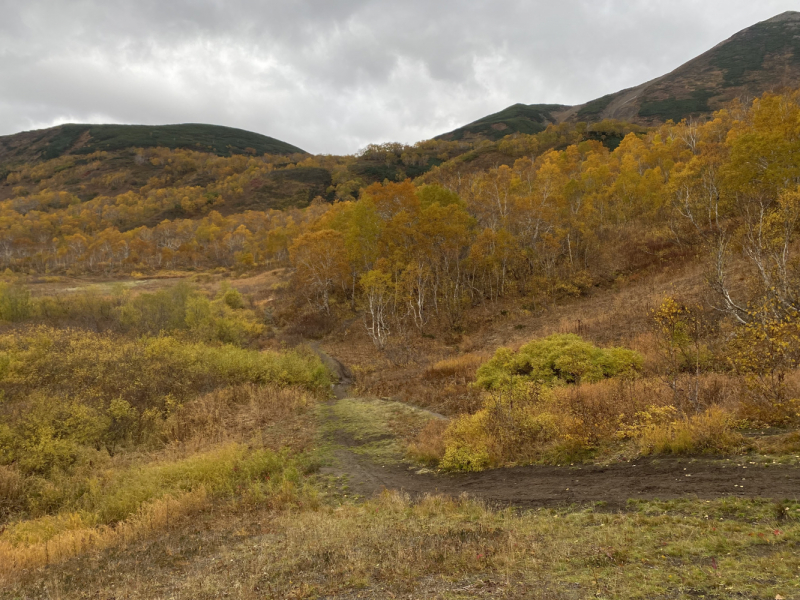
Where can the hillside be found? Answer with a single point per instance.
(761, 58)
(139, 185)
(67, 139)
(519, 118)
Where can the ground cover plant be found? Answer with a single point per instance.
(181, 309)
(449, 548)
(103, 436)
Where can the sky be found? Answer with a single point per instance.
(332, 76)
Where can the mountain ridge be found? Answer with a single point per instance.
(85, 138)
(760, 58)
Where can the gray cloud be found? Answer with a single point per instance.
(332, 76)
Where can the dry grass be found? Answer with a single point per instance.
(616, 316)
(442, 548)
(382, 430)
(429, 446)
(124, 505)
(12, 491)
(280, 415)
(242, 443)
(780, 444)
(444, 386)
(459, 368)
(81, 537)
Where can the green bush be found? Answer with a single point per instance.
(233, 299)
(513, 426)
(180, 309)
(257, 476)
(15, 303)
(556, 360)
(157, 312)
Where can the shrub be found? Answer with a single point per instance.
(233, 299)
(178, 309)
(660, 431)
(49, 434)
(12, 491)
(15, 303)
(69, 361)
(471, 457)
(591, 413)
(557, 359)
(182, 308)
(513, 426)
(71, 390)
(429, 446)
(157, 312)
(766, 352)
(527, 423)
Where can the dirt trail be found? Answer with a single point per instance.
(537, 486)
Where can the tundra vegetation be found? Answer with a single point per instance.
(556, 300)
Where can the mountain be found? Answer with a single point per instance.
(50, 170)
(761, 58)
(51, 143)
(519, 118)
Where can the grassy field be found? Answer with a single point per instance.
(440, 547)
(245, 522)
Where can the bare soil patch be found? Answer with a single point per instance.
(662, 478)
(612, 485)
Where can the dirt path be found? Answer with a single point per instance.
(614, 485)
(538, 486)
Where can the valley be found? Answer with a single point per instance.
(554, 353)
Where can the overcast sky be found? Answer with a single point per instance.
(331, 76)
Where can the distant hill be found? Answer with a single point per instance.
(519, 118)
(176, 179)
(45, 144)
(761, 58)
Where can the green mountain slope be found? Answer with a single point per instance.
(758, 59)
(85, 139)
(519, 118)
(761, 58)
